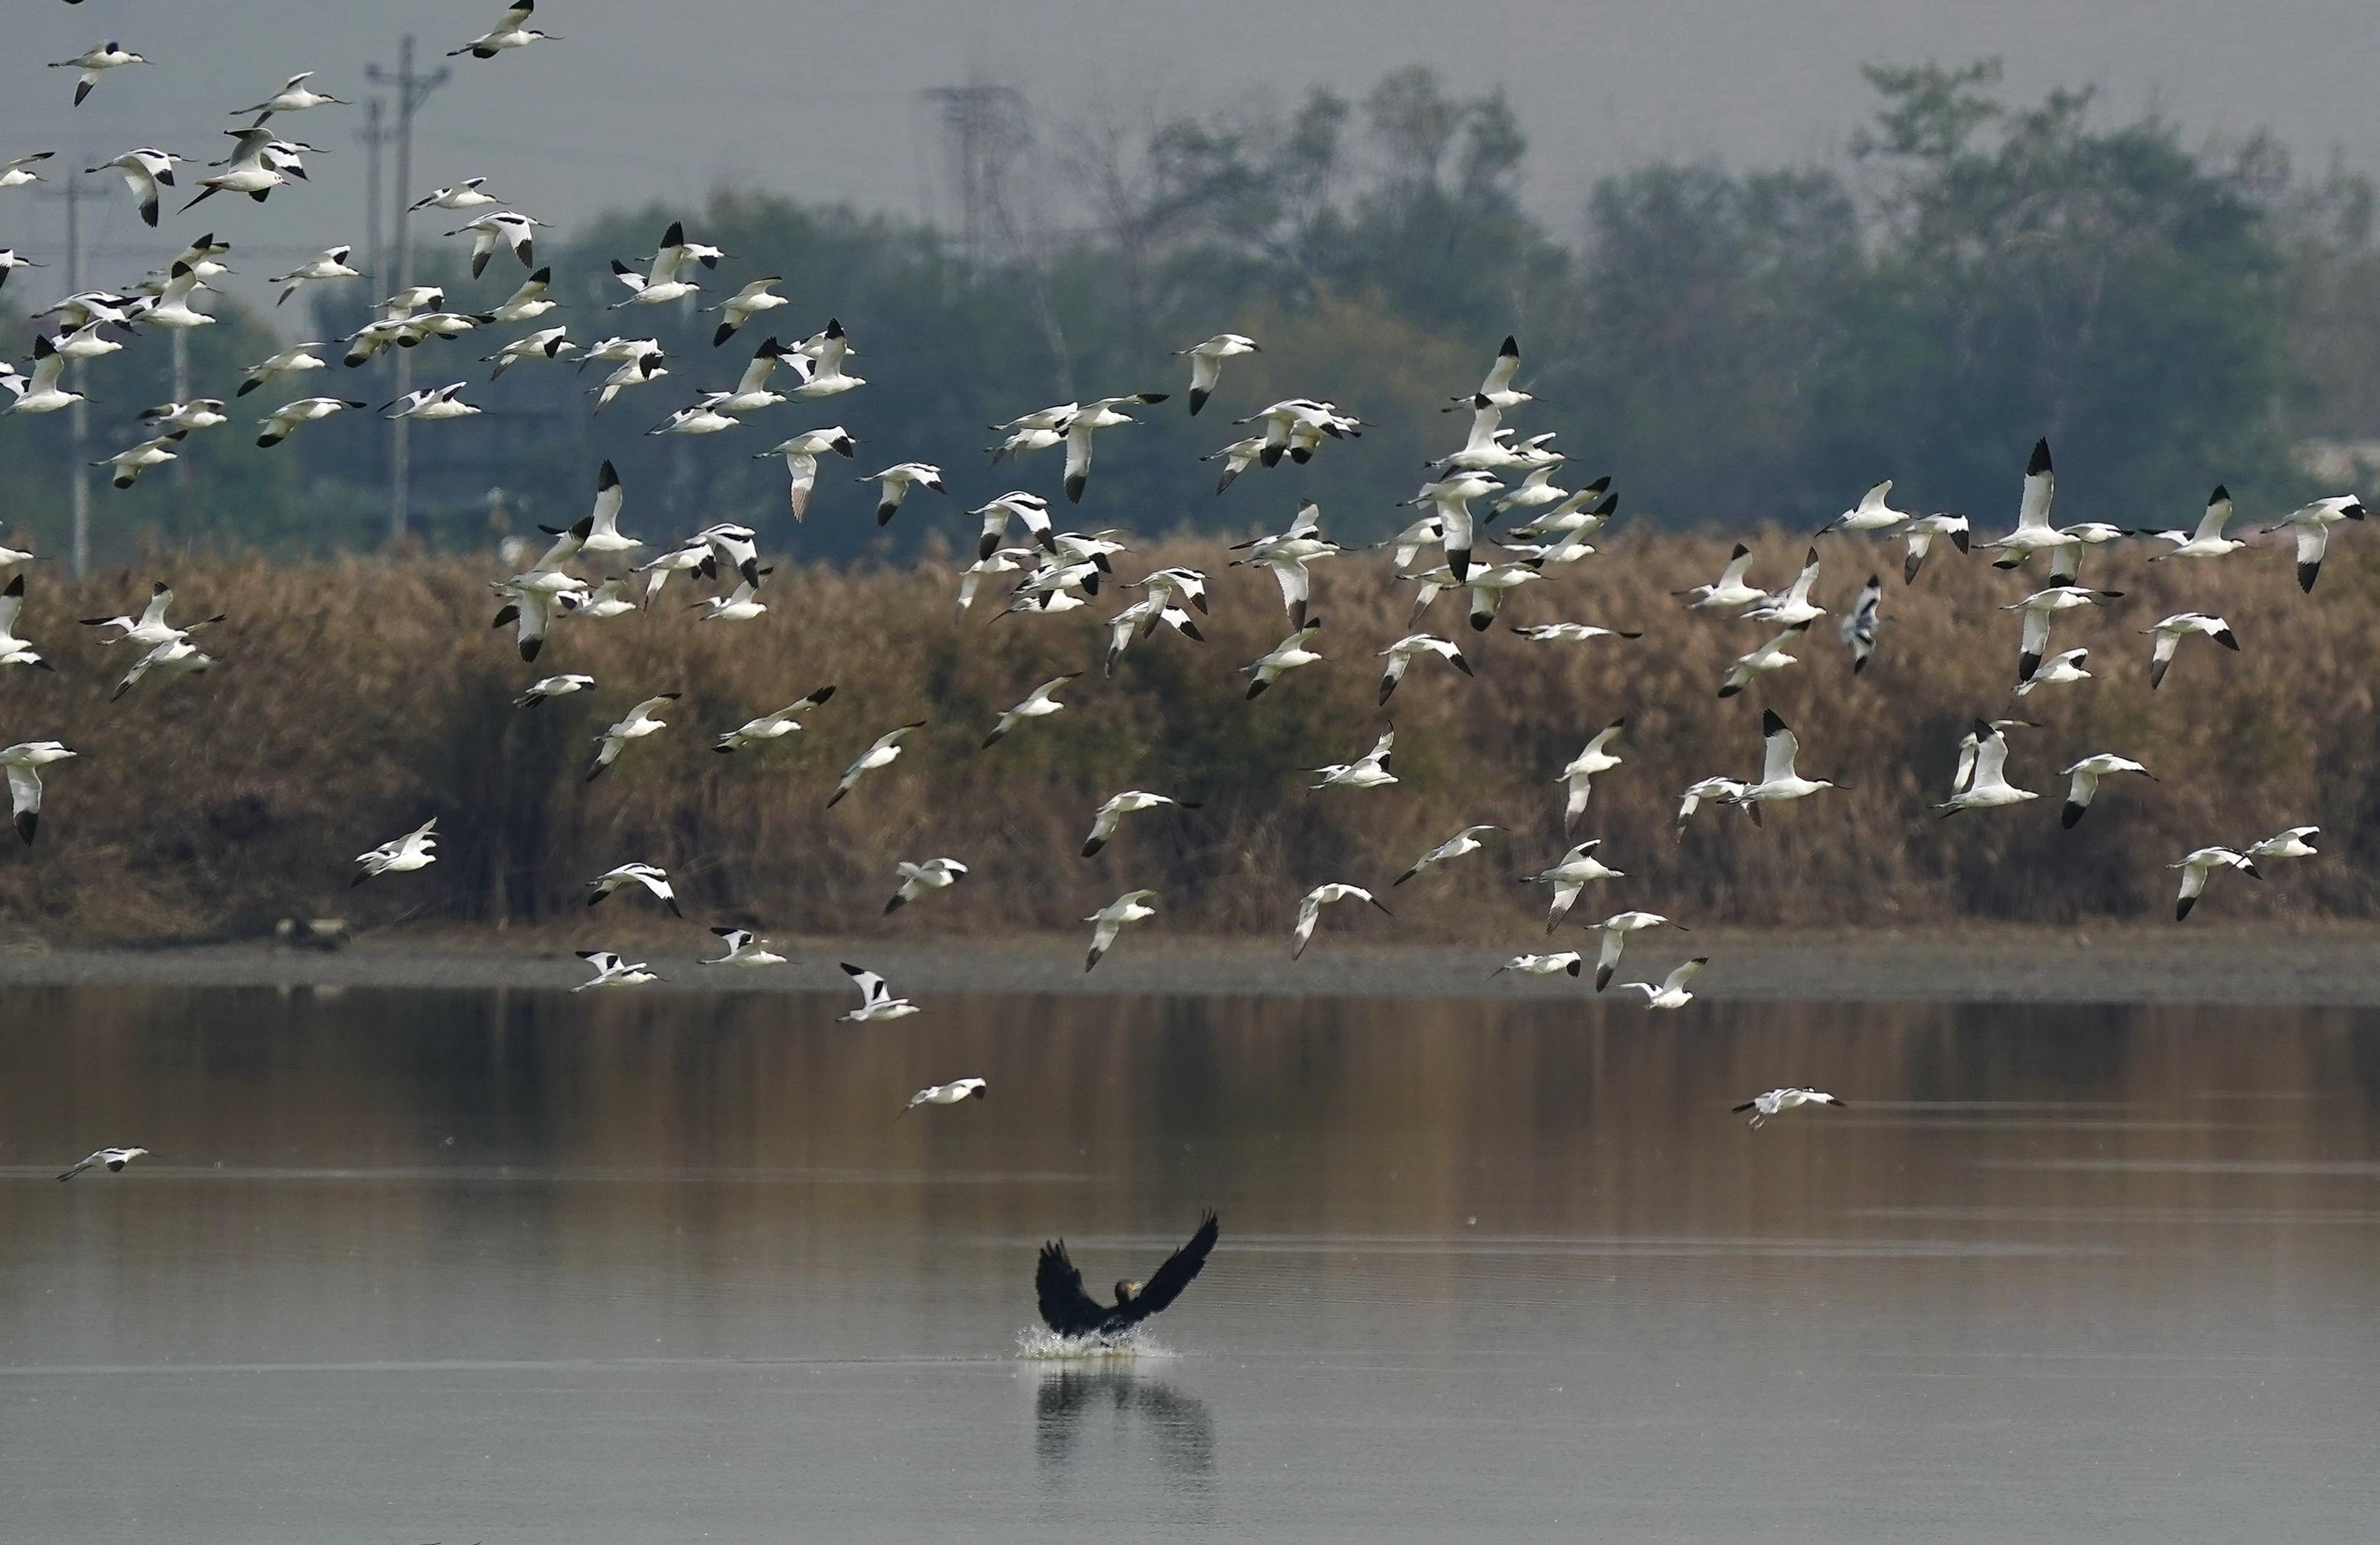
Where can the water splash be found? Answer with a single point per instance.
(1038, 1343)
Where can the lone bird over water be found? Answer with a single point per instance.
(1068, 1311)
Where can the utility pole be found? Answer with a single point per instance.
(373, 134)
(70, 189)
(412, 90)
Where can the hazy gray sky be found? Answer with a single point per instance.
(647, 97)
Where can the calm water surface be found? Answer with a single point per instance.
(538, 1268)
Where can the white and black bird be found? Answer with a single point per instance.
(1921, 533)
(1728, 591)
(195, 414)
(2207, 540)
(1860, 625)
(128, 464)
(1615, 930)
(637, 723)
(2174, 629)
(772, 727)
(744, 305)
(883, 752)
(1207, 363)
(652, 877)
(1462, 845)
(1309, 909)
(1541, 964)
(1571, 874)
(294, 96)
(2033, 532)
(24, 763)
(2196, 867)
(955, 1093)
(1986, 786)
(1040, 703)
(1369, 770)
(551, 343)
(500, 228)
(290, 359)
(745, 951)
(432, 404)
(1110, 920)
(918, 880)
(828, 378)
(144, 170)
(876, 1000)
(2058, 670)
(173, 657)
(1791, 606)
(1724, 791)
(1776, 1103)
(328, 264)
(553, 686)
(894, 482)
(1578, 776)
(1405, 651)
(2039, 608)
(1779, 781)
(1671, 992)
(612, 970)
(1873, 513)
(110, 1160)
(1288, 655)
(11, 259)
(2313, 523)
(41, 392)
(1095, 416)
(512, 30)
(801, 452)
(1770, 656)
(415, 850)
(2292, 844)
(19, 171)
(15, 650)
(94, 62)
(470, 193)
(660, 282)
(282, 421)
(1132, 801)
(2083, 784)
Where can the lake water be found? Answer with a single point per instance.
(607, 1270)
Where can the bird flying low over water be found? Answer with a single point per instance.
(1132, 801)
(1309, 910)
(111, 1160)
(882, 752)
(876, 1000)
(1577, 868)
(1615, 930)
(917, 880)
(1671, 992)
(745, 950)
(2197, 867)
(955, 1093)
(407, 853)
(1778, 1102)
(1069, 1312)
(1541, 965)
(1462, 843)
(2083, 784)
(611, 970)
(651, 878)
(1109, 920)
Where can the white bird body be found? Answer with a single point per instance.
(955, 1093)
(1040, 703)
(2290, 844)
(1078, 430)
(1288, 655)
(1671, 992)
(1110, 920)
(1792, 607)
(415, 850)
(1920, 532)
(1987, 784)
(637, 723)
(500, 228)
(512, 30)
(829, 378)
(1541, 964)
(651, 877)
(876, 1000)
(1132, 801)
(2083, 781)
(742, 604)
(882, 752)
(296, 360)
(432, 404)
(23, 763)
(20, 171)
(466, 194)
(917, 880)
(94, 62)
(1578, 868)
(801, 452)
(329, 264)
(1873, 513)
(278, 425)
(109, 1159)
(1578, 775)
(772, 727)
(1777, 1102)
(1309, 909)
(1462, 845)
(894, 482)
(41, 392)
(13, 649)
(1725, 791)
(2058, 670)
(611, 970)
(1615, 930)
(2038, 609)
(551, 343)
(294, 96)
(144, 170)
(1770, 656)
(553, 686)
(1402, 655)
(745, 950)
(1779, 781)
(2207, 541)
(1369, 770)
(744, 305)
(133, 460)
(1207, 363)
(2170, 632)
(197, 414)
(2313, 523)
(2197, 866)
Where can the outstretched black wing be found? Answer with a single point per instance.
(1173, 1276)
(1058, 1283)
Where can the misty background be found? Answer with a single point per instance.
(1756, 263)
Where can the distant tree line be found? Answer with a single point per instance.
(1732, 346)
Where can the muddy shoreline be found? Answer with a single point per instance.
(2136, 963)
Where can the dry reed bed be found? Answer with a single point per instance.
(361, 696)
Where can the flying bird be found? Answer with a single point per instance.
(410, 852)
(1109, 920)
(772, 727)
(1207, 363)
(111, 1160)
(2181, 625)
(882, 752)
(2083, 781)
(1671, 992)
(612, 970)
(955, 1093)
(512, 30)
(636, 723)
(1309, 909)
(917, 880)
(876, 1000)
(1778, 1102)
(1577, 870)
(24, 763)
(1461, 844)
(651, 878)
(1615, 930)
(1069, 1312)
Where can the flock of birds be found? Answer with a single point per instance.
(1051, 572)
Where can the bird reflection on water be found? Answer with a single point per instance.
(1179, 1428)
